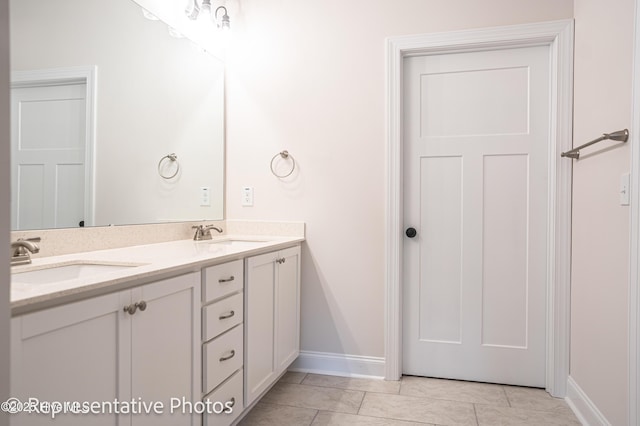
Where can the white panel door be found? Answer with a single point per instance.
(48, 142)
(476, 135)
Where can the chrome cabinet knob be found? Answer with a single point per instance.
(132, 308)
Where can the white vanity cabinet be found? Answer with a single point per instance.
(95, 351)
(272, 318)
(223, 341)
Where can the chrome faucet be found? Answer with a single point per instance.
(22, 249)
(203, 232)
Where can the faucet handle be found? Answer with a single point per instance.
(32, 239)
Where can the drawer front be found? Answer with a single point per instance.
(229, 393)
(221, 280)
(222, 357)
(222, 315)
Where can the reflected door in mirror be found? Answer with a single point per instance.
(48, 140)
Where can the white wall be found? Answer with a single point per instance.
(156, 95)
(599, 317)
(4, 207)
(309, 77)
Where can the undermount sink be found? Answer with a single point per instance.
(67, 271)
(238, 243)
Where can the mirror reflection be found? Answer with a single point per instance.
(114, 121)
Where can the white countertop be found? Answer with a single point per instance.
(157, 261)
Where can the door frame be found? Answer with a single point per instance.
(634, 240)
(60, 76)
(558, 35)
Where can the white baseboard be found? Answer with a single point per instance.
(584, 409)
(339, 365)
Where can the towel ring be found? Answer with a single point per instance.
(284, 154)
(173, 158)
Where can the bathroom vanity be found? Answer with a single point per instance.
(194, 330)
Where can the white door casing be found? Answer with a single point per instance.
(59, 87)
(558, 36)
(475, 169)
(634, 226)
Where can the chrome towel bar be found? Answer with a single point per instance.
(620, 136)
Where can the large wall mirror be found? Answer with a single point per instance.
(101, 100)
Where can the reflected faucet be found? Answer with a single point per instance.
(22, 249)
(203, 232)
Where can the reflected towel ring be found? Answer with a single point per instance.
(173, 158)
(285, 155)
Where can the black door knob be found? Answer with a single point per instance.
(411, 232)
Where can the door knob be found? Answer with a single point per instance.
(411, 232)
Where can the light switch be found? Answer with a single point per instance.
(205, 196)
(247, 196)
(624, 190)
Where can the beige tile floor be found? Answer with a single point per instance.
(300, 399)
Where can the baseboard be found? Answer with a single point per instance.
(584, 409)
(333, 364)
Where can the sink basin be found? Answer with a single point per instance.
(67, 271)
(238, 243)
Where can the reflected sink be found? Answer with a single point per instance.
(238, 243)
(67, 271)
(230, 244)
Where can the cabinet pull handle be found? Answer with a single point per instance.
(225, 316)
(142, 305)
(228, 280)
(131, 309)
(231, 402)
(228, 357)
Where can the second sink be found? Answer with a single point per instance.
(67, 271)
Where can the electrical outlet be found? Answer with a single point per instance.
(247, 196)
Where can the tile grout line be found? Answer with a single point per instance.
(364, 394)
(504, 390)
(475, 413)
(303, 378)
(314, 417)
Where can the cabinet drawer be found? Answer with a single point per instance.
(222, 315)
(229, 392)
(221, 280)
(222, 357)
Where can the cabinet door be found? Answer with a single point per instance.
(260, 368)
(287, 313)
(76, 352)
(165, 355)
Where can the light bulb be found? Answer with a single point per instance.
(205, 9)
(224, 22)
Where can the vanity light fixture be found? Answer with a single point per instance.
(204, 9)
(224, 21)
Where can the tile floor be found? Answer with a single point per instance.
(300, 399)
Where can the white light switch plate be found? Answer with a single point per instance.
(624, 190)
(247, 196)
(205, 196)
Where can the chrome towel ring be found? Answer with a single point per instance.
(285, 155)
(173, 158)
